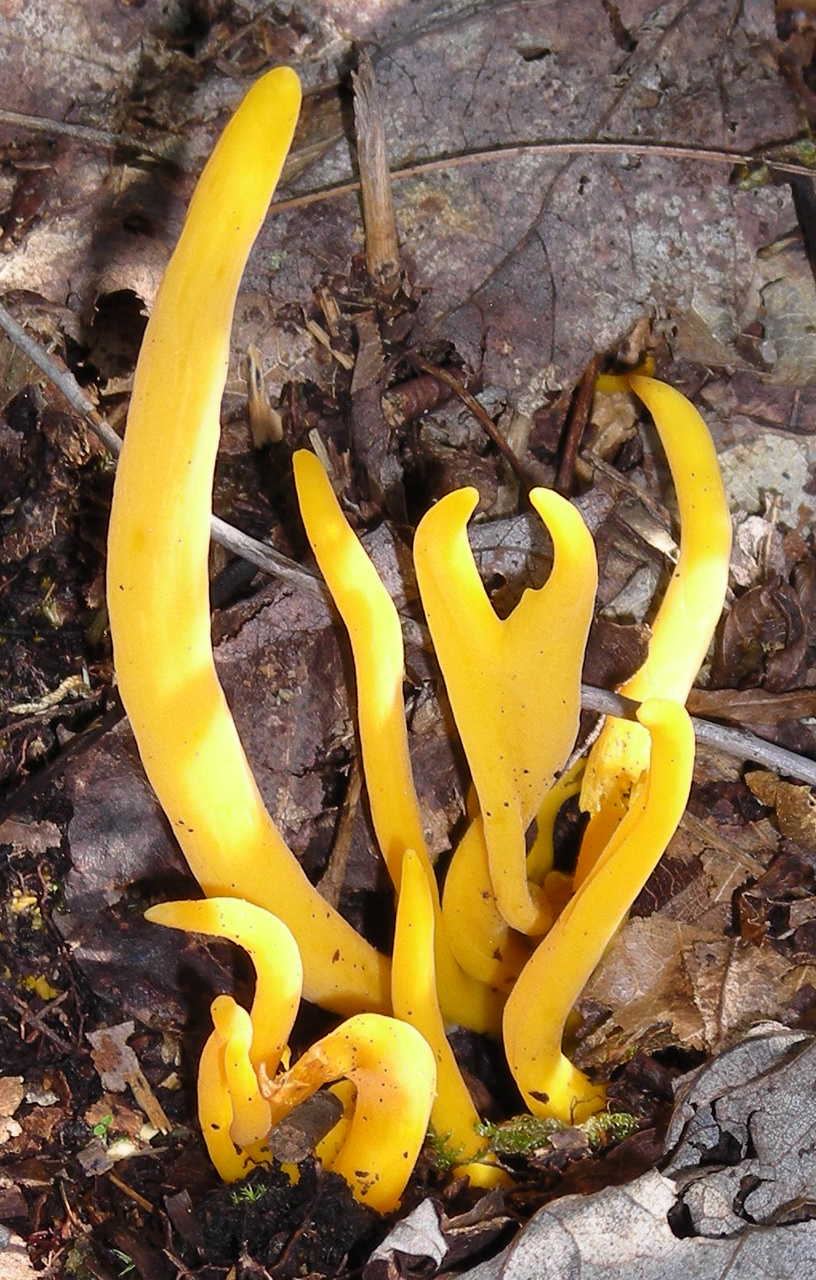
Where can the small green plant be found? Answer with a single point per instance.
(249, 1194)
(609, 1126)
(128, 1265)
(444, 1155)
(524, 1134)
(102, 1128)
(519, 1136)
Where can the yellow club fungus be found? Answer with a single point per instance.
(514, 685)
(394, 1074)
(157, 563)
(250, 1111)
(687, 617)
(374, 630)
(414, 993)
(561, 965)
(233, 1124)
(273, 952)
(480, 937)
(515, 693)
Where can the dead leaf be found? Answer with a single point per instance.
(11, 1094)
(642, 982)
(627, 1231)
(754, 1102)
(751, 706)
(735, 985)
(416, 1239)
(33, 837)
(794, 805)
(763, 639)
(112, 1056)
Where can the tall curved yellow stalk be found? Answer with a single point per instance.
(158, 590)
(564, 960)
(373, 625)
(686, 620)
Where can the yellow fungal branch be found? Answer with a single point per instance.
(687, 617)
(394, 1074)
(563, 962)
(376, 640)
(215, 1113)
(273, 952)
(480, 938)
(250, 1111)
(514, 685)
(157, 563)
(415, 1000)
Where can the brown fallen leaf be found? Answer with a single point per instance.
(11, 1094)
(734, 985)
(641, 981)
(763, 638)
(752, 706)
(663, 982)
(795, 805)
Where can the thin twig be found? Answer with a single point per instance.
(512, 151)
(35, 1020)
(526, 472)
(240, 544)
(381, 245)
(737, 743)
(577, 420)
(661, 150)
(82, 132)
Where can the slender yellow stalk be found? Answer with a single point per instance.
(373, 625)
(563, 962)
(157, 563)
(415, 998)
(686, 620)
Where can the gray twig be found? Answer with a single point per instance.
(731, 742)
(240, 544)
(622, 146)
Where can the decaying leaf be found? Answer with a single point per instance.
(732, 1200)
(665, 982)
(749, 1119)
(794, 805)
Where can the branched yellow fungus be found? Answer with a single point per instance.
(685, 622)
(273, 952)
(480, 937)
(561, 965)
(374, 630)
(415, 1000)
(216, 1109)
(250, 1111)
(394, 1074)
(515, 693)
(157, 586)
(514, 685)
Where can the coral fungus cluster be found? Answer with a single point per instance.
(510, 943)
